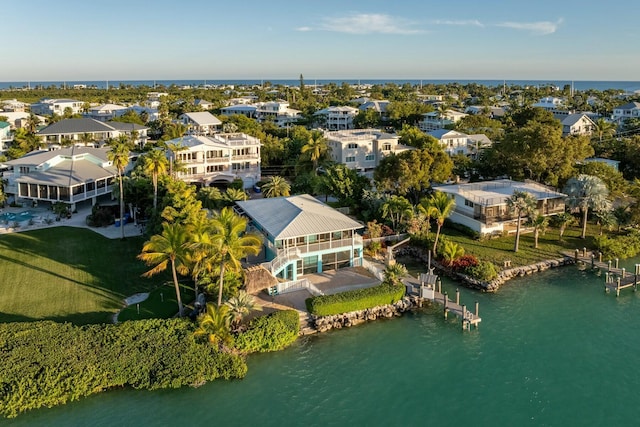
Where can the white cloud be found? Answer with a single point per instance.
(463, 22)
(304, 29)
(368, 23)
(541, 28)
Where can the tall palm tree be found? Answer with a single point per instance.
(276, 186)
(562, 221)
(169, 248)
(233, 243)
(316, 147)
(396, 208)
(240, 306)
(539, 223)
(119, 157)
(441, 207)
(604, 128)
(587, 192)
(155, 163)
(522, 203)
(86, 138)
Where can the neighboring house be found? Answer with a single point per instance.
(482, 206)
(69, 175)
(434, 120)
(151, 113)
(205, 105)
(277, 112)
(73, 131)
(451, 141)
(153, 99)
(550, 103)
(218, 158)
(244, 109)
(12, 105)
(302, 235)
(5, 135)
(338, 118)
(379, 106)
(615, 164)
(49, 107)
(200, 123)
(362, 149)
(492, 111)
(626, 111)
(577, 124)
(106, 112)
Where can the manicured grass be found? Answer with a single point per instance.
(501, 249)
(162, 302)
(68, 274)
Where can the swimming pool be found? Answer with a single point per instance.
(16, 217)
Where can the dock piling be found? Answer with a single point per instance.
(457, 296)
(617, 262)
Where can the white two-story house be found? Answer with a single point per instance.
(277, 112)
(362, 149)
(577, 124)
(218, 158)
(626, 111)
(49, 107)
(338, 118)
(200, 123)
(436, 120)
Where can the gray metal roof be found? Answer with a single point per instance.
(296, 216)
(38, 157)
(75, 126)
(68, 173)
(126, 127)
(203, 118)
(572, 119)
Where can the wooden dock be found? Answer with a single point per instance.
(616, 278)
(429, 288)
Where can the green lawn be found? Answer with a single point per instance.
(501, 249)
(68, 274)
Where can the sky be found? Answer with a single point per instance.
(68, 40)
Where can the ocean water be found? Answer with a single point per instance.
(627, 86)
(552, 350)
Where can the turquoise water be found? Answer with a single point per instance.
(552, 350)
(19, 217)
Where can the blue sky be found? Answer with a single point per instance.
(281, 39)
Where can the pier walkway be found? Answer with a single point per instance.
(616, 278)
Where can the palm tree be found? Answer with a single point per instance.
(393, 273)
(86, 138)
(317, 147)
(539, 224)
(606, 219)
(622, 215)
(452, 251)
(119, 157)
(522, 203)
(171, 247)
(235, 194)
(441, 207)
(605, 128)
(232, 243)
(201, 257)
(562, 221)
(276, 186)
(214, 323)
(155, 163)
(240, 306)
(587, 192)
(396, 208)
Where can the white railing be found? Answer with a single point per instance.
(376, 269)
(284, 257)
(296, 285)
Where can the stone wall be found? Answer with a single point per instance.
(345, 320)
(493, 285)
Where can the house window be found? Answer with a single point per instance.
(386, 146)
(352, 145)
(370, 157)
(468, 203)
(349, 159)
(214, 168)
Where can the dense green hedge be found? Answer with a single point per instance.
(47, 363)
(358, 299)
(623, 246)
(270, 333)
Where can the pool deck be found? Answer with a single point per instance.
(77, 220)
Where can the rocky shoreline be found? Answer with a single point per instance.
(493, 285)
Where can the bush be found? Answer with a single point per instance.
(464, 262)
(47, 363)
(625, 246)
(483, 271)
(357, 299)
(273, 332)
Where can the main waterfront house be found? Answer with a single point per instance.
(302, 235)
(69, 175)
(482, 206)
(218, 158)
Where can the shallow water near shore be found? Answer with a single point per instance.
(552, 349)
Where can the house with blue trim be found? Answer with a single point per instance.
(302, 235)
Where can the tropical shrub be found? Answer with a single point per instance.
(484, 271)
(273, 332)
(47, 363)
(624, 246)
(357, 299)
(464, 263)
